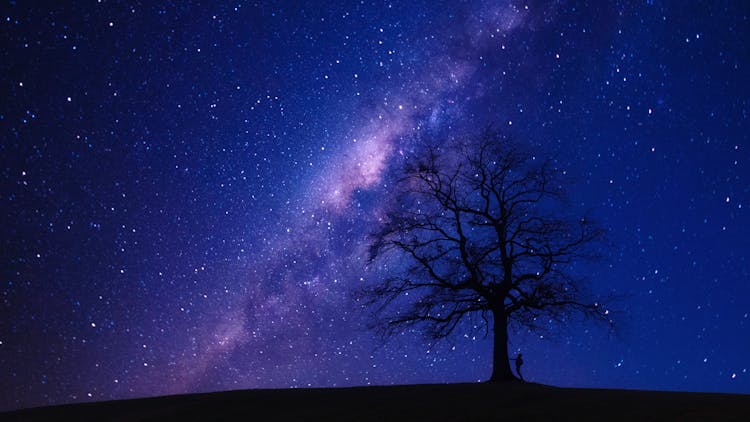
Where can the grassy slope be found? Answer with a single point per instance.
(475, 402)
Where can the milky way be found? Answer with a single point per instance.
(187, 190)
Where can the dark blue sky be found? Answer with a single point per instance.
(185, 189)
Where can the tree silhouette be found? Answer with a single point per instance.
(477, 221)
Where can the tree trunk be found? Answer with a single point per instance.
(500, 362)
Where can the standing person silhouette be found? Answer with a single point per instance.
(519, 362)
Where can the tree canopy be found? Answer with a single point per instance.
(480, 228)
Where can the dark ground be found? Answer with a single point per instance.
(450, 402)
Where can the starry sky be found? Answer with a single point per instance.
(186, 189)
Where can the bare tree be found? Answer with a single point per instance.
(477, 221)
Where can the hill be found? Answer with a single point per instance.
(447, 402)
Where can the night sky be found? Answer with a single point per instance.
(186, 190)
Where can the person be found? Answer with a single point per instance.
(519, 362)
